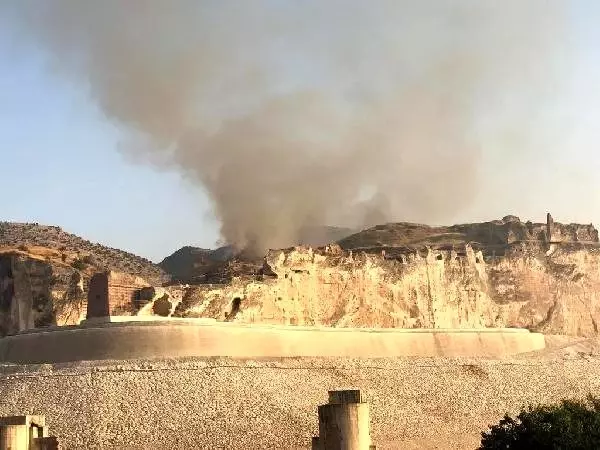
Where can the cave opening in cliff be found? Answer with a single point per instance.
(235, 308)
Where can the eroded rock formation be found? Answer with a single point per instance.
(28, 288)
(44, 273)
(548, 282)
(502, 273)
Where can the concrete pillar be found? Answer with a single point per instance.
(14, 437)
(45, 443)
(344, 423)
(19, 432)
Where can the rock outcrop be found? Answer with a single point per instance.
(505, 273)
(44, 274)
(194, 265)
(33, 289)
(546, 284)
(493, 238)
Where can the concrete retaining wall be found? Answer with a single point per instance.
(186, 338)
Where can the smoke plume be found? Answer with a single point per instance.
(296, 113)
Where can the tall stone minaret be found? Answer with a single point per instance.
(549, 227)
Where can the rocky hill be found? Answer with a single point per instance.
(78, 252)
(492, 238)
(44, 273)
(194, 265)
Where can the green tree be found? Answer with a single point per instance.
(571, 425)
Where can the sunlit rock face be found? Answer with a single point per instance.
(503, 273)
(530, 287)
(28, 290)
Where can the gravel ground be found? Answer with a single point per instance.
(220, 403)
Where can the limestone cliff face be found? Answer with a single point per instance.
(44, 272)
(501, 273)
(557, 292)
(37, 293)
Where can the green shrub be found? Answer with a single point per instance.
(571, 425)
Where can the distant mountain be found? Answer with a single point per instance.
(318, 236)
(200, 265)
(188, 263)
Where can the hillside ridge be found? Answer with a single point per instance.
(34, 240)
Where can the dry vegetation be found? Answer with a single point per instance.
(54, 245)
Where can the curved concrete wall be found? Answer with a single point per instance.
(186, 338)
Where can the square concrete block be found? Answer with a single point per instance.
(344, 397)
(27, 420)
(45, 443)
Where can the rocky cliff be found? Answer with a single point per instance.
(544, 283)
(37, 292)
(540, 276)
(44, 273)
(195, 265)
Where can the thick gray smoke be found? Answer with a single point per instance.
(295, 113)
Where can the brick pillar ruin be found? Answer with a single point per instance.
(113, 293)
(343, 423)
(97, 304)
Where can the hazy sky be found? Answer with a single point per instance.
(61, 164)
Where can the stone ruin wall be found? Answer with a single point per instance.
(113, 293)
(123, 292)
(119, 294)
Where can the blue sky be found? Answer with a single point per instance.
(61, 165)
